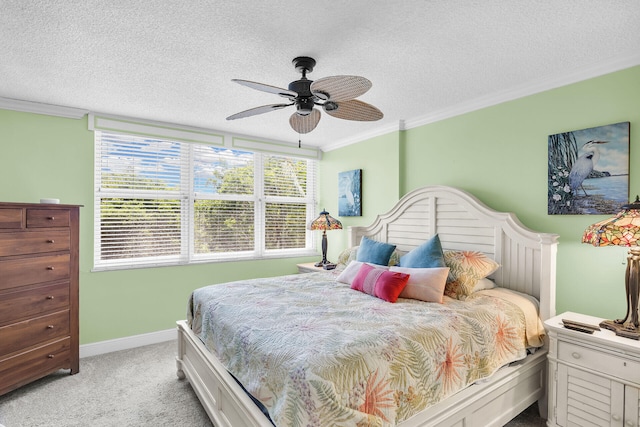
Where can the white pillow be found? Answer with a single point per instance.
(425, 284)
(351, 270)
(484, 284)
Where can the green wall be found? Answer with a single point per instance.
(52, 157)
(499, 154)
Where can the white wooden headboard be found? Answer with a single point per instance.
(527, 259)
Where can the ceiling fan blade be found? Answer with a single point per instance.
(340, 88)
(257, 110)
(355, 110)
(304, 124)
(285, 93)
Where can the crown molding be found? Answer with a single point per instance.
(364, 136)
(40, 108)
(532, 88)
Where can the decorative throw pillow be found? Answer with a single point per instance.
(467, 267)
(425, 284)
(347, 256)
(484, 284)
(351, 270)
(374, 252)
(350, 254)
(427, 255)
(379, 282)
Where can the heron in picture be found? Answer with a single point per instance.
(584, 165)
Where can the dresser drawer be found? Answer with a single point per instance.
(28, 271)
(33, 331)
(47, 218)
(11, 218)
(23, 243)
(595, 360)
(23, 368)
(29, 302)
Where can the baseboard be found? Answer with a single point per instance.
(102, 347)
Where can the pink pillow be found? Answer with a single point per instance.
(380, 283)
(425, 284)
(351, 270)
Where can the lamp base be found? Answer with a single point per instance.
(324, 264)
(621, 330)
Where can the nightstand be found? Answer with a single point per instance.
(594, 379)
(309, 267)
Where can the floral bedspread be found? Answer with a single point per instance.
(317, 353)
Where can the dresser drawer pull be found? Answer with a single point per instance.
(50, 267)
(50, 297)
(50, 241)
(51, 218)
(616, 417)
(630, 423)
(50, 326)
(51, 356)
(575, 355)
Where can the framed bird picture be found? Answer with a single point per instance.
(589, 171)
(350, 193)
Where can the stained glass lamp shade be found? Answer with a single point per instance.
(622, 230)
(324, 222)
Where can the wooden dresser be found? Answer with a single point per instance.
(38, 291)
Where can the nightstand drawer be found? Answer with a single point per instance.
(609, 364)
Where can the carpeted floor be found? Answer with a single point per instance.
(136, 387)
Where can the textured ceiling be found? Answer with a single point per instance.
(173, 61)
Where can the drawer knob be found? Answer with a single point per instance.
(51, 356)
(575, 355)
(50, 326)
(50, 297)
(629, 423)
(50, 241)
(50, 267)
(616, 417)
(51, 218)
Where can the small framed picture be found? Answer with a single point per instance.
(350, 193)
(589, 171)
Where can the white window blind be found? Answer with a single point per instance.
(164, 202)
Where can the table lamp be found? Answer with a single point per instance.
(622, 230)
(325, 222)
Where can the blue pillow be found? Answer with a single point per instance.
(427, 255)
(374, 252)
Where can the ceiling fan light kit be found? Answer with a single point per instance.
(335, 94)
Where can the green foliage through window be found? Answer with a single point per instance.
(166, 202)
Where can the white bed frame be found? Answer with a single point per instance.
(528, 264)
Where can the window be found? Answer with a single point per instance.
(161, 202)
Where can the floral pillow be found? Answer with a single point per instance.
(466, 269)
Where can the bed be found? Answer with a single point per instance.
(526, 262)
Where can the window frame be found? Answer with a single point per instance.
(188, 196)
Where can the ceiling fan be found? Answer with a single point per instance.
(335, 94)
